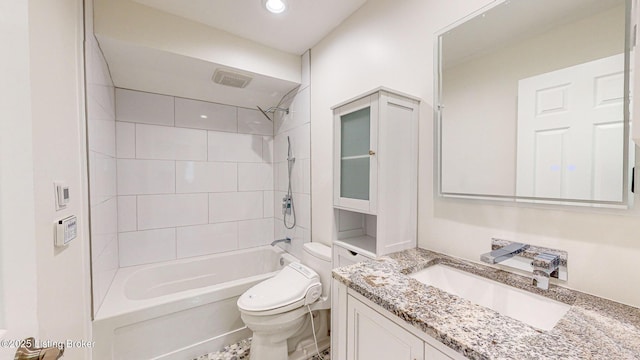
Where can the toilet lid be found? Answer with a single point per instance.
(290, 285)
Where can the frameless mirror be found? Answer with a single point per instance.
(532, 103)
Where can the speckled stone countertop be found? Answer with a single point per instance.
(593, 328)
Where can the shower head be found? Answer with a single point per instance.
(272, 110)
(283, 105)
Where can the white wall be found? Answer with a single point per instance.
(18, 282)
(101, 126)
(390, 43)
(58, 139)
(295, 125)
(188, 185)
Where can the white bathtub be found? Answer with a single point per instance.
(180, 309)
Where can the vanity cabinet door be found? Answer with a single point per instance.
(371, 336)
(431, 353)
(355, 147)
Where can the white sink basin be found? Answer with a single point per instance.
(535, 310)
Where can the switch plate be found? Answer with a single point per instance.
(62, 195)
(66, 230)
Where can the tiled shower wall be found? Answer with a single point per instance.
(296, 126)
(102, 171)
(193, 178)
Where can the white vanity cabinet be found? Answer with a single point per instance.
(372, 336)
(362, 330)
(375, 171)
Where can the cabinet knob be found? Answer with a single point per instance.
(371, 152)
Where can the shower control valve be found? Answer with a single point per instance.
(286, 205)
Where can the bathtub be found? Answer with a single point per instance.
(180, 309)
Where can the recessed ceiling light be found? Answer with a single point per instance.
(275, 6)
(203, 116)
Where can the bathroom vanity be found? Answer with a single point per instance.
(387, 313)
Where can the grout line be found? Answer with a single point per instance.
(173, 100)
(137, 226)
(135, 141)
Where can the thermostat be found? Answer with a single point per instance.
(66, 230)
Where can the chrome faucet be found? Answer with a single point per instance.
(503, 253)
(286, 240)
(543, 265)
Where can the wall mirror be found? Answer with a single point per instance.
(532, 103)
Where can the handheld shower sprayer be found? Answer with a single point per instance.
(288, 208)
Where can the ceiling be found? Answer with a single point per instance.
(299, 28)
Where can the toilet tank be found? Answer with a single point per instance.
(318, 257)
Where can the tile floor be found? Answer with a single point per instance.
(240, 351)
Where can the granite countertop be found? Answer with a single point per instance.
(593, 328)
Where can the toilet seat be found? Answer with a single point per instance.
(288, 290)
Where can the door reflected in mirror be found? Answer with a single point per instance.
(531, 104)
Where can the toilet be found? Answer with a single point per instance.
(277, 309)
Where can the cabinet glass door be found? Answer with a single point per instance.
(354, 150)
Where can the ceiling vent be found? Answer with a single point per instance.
(228, 78)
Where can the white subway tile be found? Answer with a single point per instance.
(207, 239)
(162, 211)
(137, 177)
(306, 176)
(255, 176)
(268, 197)
(280, 147)
(127, 218)
(234, 147)
(104, 224)
(235, 206)
(302, 141)
(298, 235)
(195, 177)
(125, 140)
(144, 247)
(299, 113)
(104, 268)
(306, 69)
(102, 177)
(281, 176)
(99, 73)
(168, 143)
(142, 107)
(297, 176)
(254, 233)
(205, 115)
(253, 122)
(102, 136)
(300, 144)
(302, 204)
(99, 103)
(277, 204)
(105, 95)
(267, 149)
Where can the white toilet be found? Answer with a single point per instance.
(277, 313)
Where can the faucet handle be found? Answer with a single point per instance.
(546, 261)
